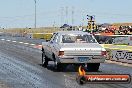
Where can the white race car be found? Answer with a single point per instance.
(73, 47)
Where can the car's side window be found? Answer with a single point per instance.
(53, 37)
(56, 38)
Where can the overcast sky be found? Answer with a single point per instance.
(20, 13)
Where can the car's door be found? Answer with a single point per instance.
(49, 47)
(55, 44)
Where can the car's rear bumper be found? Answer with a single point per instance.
(71, 59)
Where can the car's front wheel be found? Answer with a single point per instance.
(93, 66)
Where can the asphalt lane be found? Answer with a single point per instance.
(20, 67)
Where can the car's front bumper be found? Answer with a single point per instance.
(74, 59)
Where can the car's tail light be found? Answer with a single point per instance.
(103, 53)
(61, 53)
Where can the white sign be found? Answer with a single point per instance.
(117, 55)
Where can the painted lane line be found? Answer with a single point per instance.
(40, 45)
(26, 43)
(8, 40)
(20, 42)
(13, 41)
(2, 39)
(32, 44)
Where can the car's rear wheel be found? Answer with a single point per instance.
(44, 60)
(58, 66)
(93, 66)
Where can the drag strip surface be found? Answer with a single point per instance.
(20, 67)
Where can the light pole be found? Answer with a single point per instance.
(35, 14)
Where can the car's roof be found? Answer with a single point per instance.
(71, 32)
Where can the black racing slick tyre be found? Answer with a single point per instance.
(93, 67)
(44, 60)
(58, 66)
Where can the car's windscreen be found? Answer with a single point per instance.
(71, 38)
